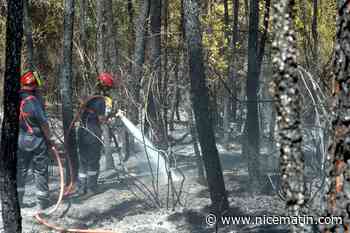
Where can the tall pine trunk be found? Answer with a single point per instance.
(11, 214)
(83, 44)
(230, 108)
(288, 104)
(100, 37)
(66, 81)
(253, 135)
(200, 101)
(111, 67)
(28, 34)
(338, 177)
(154, 98)
(139, 58)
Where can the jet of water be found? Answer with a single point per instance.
(156, 159)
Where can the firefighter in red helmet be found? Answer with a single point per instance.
(34, 138)
(93, 114)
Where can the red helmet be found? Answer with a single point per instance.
(28, 78)
(106, 79)
(31, 78)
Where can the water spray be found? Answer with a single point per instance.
(157, 157)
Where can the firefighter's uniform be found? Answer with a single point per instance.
(90, 144)
(32, 146)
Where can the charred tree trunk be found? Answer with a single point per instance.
(131, 31)
(227, 102)
(287, 96)
(176, 94)
(194, 135)
(66, 86)
(11, 214)
(28, 34)
(231, 106)
(164, 86)
(339, 150)
(112, 67)
(315, 36)
(264, 35)
(253, 134)
(100, 36)
(139, 58)
(200, 101)
(83, 44)
(154, 98)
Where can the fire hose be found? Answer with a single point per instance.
(65, 192)
(38, 216)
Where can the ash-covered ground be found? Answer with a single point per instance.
(130, 201)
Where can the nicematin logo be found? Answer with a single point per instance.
(212, 220)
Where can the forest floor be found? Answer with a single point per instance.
(121, 207)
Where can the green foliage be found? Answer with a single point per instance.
(214, 39)
(47, 24)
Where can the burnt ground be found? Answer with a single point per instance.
(120, 206)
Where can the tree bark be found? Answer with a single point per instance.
(164, 86)
(200, 101)
(131, 31)
(228, 110)
(154, 98)
(264, 35)
(28, 34)
(139, 58)
(83, 45)
(253, 134)
(288, 104)
(66, 86)
(11, 214)
(315, 36)
(194, 135)
(339, 150)
(100, 36)
(112, 65)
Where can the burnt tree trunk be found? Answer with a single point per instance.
(164, 84)
(264, 35)
(230, 108)
(83, 44)
(11, 214)
(200, 101)
(111, 67)
(253, 134)
(194, 135)
(101, 55)
(128, 138)
(339, 150)
(66, 87)
(28, 34)
(139, 59)
(288, 104)
(314, 32)
(154, 98)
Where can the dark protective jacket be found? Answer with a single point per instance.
(89, 141)
(94, 108)
(32, 115)
(32, 148)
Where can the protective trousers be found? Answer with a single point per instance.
(89, 156)
(40, 161)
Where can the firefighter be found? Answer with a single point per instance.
(93, 113)
(34, 139)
